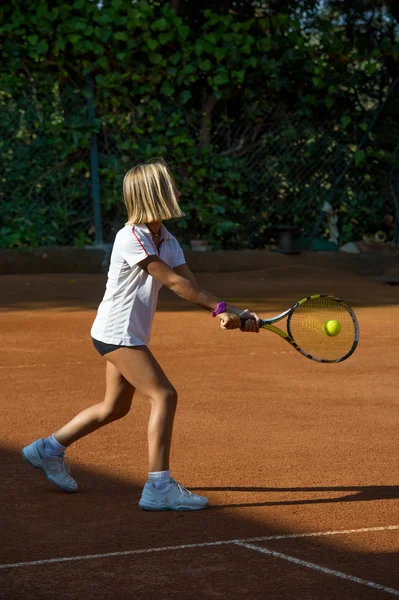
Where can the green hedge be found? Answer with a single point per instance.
(257, 113)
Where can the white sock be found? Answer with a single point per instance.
(53, 448)
(159, 479)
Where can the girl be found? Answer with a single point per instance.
(145, 256)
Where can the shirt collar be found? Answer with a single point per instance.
(165, 233)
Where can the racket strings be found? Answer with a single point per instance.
(307, 325)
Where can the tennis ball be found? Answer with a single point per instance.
(331, 328)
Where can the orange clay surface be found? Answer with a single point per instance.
(281, 446)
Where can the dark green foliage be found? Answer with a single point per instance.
(257, 106)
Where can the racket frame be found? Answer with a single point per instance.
(268, 324)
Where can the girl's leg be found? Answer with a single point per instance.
(141, 370)
(116, 404)
(161, 492)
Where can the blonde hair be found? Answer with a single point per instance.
(149, 193)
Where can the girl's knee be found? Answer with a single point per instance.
(166, 396)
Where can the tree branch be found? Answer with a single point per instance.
(206, 120)
(175, 5)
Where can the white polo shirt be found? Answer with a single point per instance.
(126, 312)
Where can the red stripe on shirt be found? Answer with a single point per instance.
(137, 238)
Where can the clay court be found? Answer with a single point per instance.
(299, 459)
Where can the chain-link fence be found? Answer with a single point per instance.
(295, 167)
(44, 151)
(62, 170)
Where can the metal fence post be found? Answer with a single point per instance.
(94, 168)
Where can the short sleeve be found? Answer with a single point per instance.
(135, 247)
(178, 257)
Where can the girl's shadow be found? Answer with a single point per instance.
(362, 494)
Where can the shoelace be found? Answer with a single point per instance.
(64, 465)
(182, 489)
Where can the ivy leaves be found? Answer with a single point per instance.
(154, 74)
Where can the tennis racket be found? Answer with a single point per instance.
(321, 327)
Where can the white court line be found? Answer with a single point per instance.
(201, 545)
(325, 570)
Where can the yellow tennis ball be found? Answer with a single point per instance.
(331, 328)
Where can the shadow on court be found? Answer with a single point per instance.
(40, 523)
(350, 494)
(272, 290)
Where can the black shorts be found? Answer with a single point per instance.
(103, 348)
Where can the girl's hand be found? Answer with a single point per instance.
(229, 321)
(253, 322)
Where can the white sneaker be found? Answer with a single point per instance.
(53, 467)
(172, 497)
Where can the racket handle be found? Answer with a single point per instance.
(245, 319)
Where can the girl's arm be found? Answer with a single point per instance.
(185, 271)
(189, 290)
